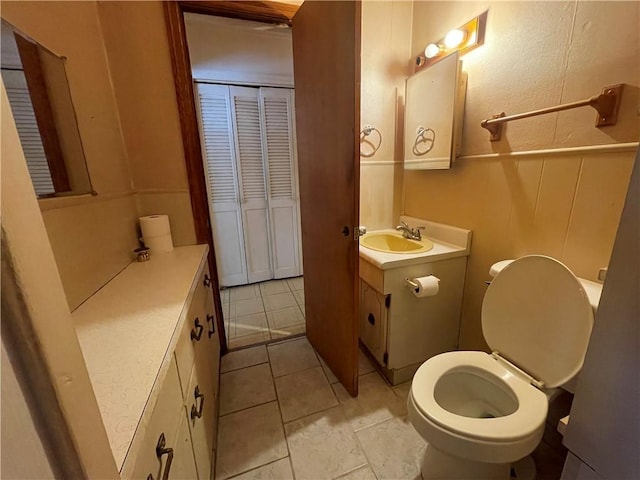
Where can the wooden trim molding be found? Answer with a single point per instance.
(181, 66)
(268, 12)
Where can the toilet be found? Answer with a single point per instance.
(480, 413)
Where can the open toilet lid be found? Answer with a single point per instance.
(537, 315)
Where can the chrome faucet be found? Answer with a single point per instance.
(410, 233)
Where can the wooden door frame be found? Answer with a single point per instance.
(267, 12)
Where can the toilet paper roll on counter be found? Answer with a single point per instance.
(423, 286)
(156, 233)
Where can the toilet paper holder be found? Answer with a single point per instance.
(420, 287)
(411, 283)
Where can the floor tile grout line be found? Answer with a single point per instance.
(284, 432)
(320, 360)
(255, 468)
(261, 404)
(243, 368)
(364, 452)
(378, 422)
(315, 413)
(366, 464)
(260, 295)
(298, 371)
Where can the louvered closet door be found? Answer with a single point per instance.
(277, 108)
(214, 115)
(253, 191)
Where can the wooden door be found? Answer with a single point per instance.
(326, 56)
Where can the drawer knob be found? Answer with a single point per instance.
(197, 412)
(160, 451)
(212, 323)
(207, 280)
(371, 319)
(196, 331)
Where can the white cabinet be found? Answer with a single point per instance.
(197, 356)
(152, 351)
(402, 331)
(373, 321)
(249, 157)
(166, 451)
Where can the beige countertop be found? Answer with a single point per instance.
(127, 332)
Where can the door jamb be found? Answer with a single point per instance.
(267, 12)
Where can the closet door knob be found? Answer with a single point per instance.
(207, 280)
(196, 331)
(371, 319)
(162, 450)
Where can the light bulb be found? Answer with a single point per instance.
(432, 50)
(454, 38)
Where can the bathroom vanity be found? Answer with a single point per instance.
(152, 351)
(400, 330)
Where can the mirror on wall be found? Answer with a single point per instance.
(434, 104)
(40, 100)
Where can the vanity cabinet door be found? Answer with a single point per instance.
(184, 465)
(201, 413)
(373, 321)
(198, 358)
(165, 446)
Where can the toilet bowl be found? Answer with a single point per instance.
(481, 412)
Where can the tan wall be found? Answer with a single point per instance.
(536, 54)
(386, 35)
(140, 63)
(234, 51)
(92, 237)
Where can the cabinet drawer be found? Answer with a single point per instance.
(203, 290)
(197, 331)
(164, 422)
(213, 346)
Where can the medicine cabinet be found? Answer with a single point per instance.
(434, 107)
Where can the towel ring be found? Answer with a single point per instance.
(366, 131)
(420, 137)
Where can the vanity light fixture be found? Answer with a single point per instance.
(462, 39)
(454, 38)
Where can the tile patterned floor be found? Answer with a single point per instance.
(283, 416)
(264, 311)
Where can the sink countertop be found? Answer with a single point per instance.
(448, 242)
(127, 334)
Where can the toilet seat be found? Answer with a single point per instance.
(526, 421)
(537, 315)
